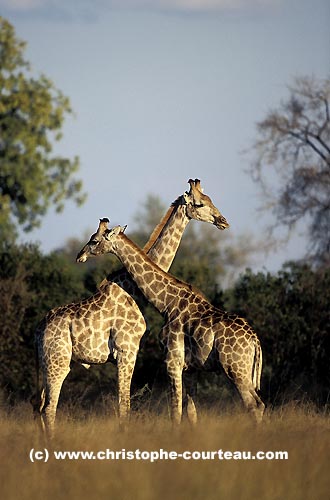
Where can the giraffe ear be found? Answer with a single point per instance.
(187, 198)
(103, 226)
(198, 185)
(114, 231)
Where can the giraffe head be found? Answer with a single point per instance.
(196, 204)
(98, 243)
(200, 206)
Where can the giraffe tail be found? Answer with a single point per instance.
(257, 366)
(38, 399)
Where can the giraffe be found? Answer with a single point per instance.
(196, 335)
(91, 331)
(108, 326)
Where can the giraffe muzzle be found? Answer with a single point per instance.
(221, 222)
(81, 257)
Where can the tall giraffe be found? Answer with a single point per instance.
(108, 326)
(196, 335)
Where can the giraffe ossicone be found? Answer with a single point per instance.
(109, 325)
(196, 335)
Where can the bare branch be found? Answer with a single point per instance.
(294, 147)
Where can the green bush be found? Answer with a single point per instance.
(288, 310)
(30, 285)
(290, 313)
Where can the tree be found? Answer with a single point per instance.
(32, 112)
(294, 147)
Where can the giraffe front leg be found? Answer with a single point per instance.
(174, 370)
(125, 366)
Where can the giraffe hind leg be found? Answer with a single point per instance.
(251, 401)
(190, 385)
(260, 405)
(53, 385)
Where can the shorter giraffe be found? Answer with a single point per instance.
(196, 335)
(90, 332)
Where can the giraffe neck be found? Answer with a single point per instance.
(165, 239)
(158, 287)
(161, 246)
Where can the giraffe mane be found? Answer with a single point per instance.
(160, 226)
(168, 276)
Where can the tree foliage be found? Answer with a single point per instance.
(293, 147)
(30, 285)
(290, 313)
(32, 112)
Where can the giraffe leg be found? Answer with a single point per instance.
(242, 373)
(251, 400)
(260, 406)
(174, 370)
(53, 384)
(125, 367)
(190, 383)
(175, 377)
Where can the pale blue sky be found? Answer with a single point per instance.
(168, 90)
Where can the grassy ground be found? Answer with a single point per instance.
(303, 432)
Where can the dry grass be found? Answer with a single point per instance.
(303, 432)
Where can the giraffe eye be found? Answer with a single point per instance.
(198, 205)
(94, 242)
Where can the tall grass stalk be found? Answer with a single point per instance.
(301, 431)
